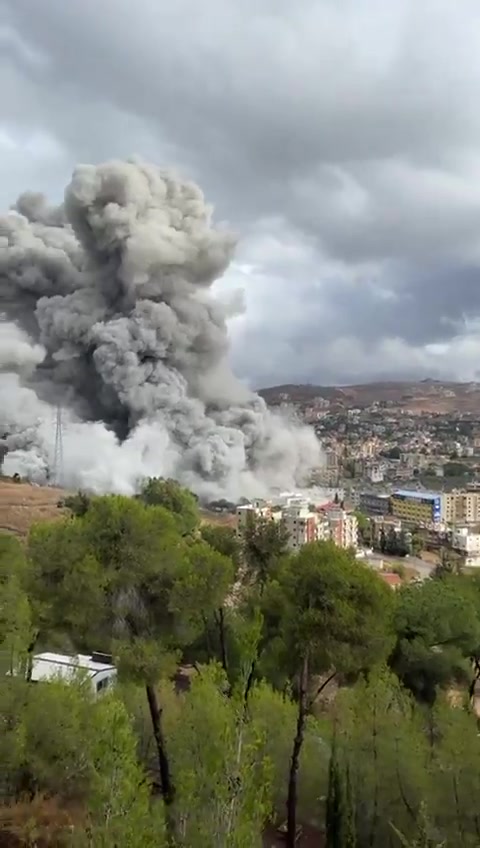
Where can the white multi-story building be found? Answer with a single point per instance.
(302, 525)
(343, 528)
(461, 507)
(305, 523)
(468, 544)
(247, 512)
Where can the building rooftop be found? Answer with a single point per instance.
(412, 493)
(393, 580)
(49, 665)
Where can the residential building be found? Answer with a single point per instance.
(331, 459)
(247, 512)
(372, 503)
(303, 521)
(467, 544)
(375, 472)
(386, 523)
(301, 525)
(391, 579)
(411, 507)
(461, 507)
(342, 526)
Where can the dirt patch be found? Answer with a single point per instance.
(430, 556)
(24, 504)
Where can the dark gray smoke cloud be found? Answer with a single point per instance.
(115, 286)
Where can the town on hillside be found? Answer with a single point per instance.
(401, 475)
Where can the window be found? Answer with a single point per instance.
(103, 684)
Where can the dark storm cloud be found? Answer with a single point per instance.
(351, 129)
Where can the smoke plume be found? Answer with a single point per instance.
(111, 297)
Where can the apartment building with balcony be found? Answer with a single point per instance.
(461, 507)
(304, 523)
(342, 528)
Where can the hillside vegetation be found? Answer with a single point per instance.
(262, 695)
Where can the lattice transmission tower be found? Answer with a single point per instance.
(57, 476)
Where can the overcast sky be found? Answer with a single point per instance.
(340, 138)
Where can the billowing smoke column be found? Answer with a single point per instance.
(110, 295)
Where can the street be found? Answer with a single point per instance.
(423, 567)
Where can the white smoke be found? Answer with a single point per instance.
(116, 322)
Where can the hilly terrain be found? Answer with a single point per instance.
(24, 504)
(415, 397)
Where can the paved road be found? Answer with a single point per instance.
(423, 567)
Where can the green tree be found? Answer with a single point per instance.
(12, 737)
(15, 613)
(57, 738)
(456, 775)
(223, 771)
(77, 504)
(118, 797)
(225, 541)
(168, 493)
(274, 715)
(437, 632)
(364, 527)
(416, 544)
(264, 542)
(106, 578)
(424, 838)
(199, 594)
(331, 615)
(455, 469)
(222, 539)
(382, 744)
(451, 563)
(340, 812)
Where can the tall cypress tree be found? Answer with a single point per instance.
(349, 824)
(340, 812)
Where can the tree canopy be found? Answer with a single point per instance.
(168, 493)
(215, 727)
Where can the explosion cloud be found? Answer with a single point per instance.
(110, 299)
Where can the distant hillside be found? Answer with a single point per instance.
(422, 396)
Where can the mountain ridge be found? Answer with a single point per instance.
(427, 395)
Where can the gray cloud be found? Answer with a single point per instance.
(341, 140)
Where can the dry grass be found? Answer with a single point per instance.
(430, 556)
(23, 504)
(225, 519)
(41, 822)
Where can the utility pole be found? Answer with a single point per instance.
(57, 477)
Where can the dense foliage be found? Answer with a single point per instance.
(225, 650)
